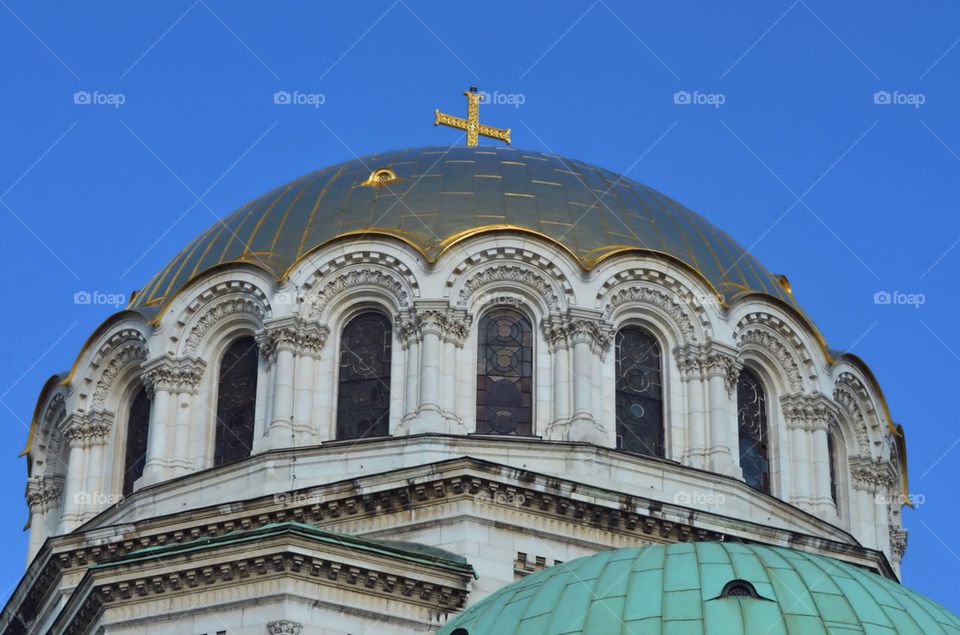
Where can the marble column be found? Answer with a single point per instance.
(172, 383)
(721, 369)
(691, 372)
(796, 417)
(590, 336)
(311, 340)
(557, 337)
(278, 342)
(43, 498)
(434, 334)
(75, 495)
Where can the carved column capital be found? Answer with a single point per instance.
(589, 327)
(86, 429)
(808, 412)
(293, 334)
(871, 475)
(690, 361)
(43, 493)
(720, 360)
(448, 323)
(173, 375)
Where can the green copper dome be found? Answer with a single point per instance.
(692, 589)
(432, 198)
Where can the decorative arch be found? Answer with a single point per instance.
(384, 282)
(682, 307)
(848, 396)
(769, 333)
(250, 304)
(124, 358)
(538, 276)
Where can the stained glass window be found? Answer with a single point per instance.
(639, 392)
(236, 401)
(363, 405)
(752, 422)
(505, 374)
(832, 458)
(138, 426)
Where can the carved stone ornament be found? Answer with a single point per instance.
(519, 274)
(669, 303)
(448, 323)
(763, 339)
(43, 493)
(872, 475)
(216, 313)
(284, 627)
(380, 279)
(173, 375)
(127, 356)
(87, 429)
(720, 361)
(293, 334)
(809, 412)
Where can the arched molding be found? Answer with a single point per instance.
(221, 305)
(764, 341)
(338, 287)
(853, 420)
(50, 446)
(749, 313)
(471, 289)
(122, 359)
(639, 287)
(523, 269)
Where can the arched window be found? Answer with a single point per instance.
(639, 392)
(752, 423)
(505, 374)
(236, 401)
(138, 426)
(832, 458)
(363, 404)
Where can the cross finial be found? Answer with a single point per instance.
(472, 123)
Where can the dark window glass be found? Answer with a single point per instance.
(138, 426)
(832, 458)
(752, 422)
(505, 374)
(236, 401)
(363, 405)
(639, 392)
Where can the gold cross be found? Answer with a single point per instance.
(472, 123)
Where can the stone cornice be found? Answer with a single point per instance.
(456, 480)
(271, 551)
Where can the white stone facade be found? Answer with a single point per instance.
(549, 499)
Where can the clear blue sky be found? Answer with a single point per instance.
(847, 196)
